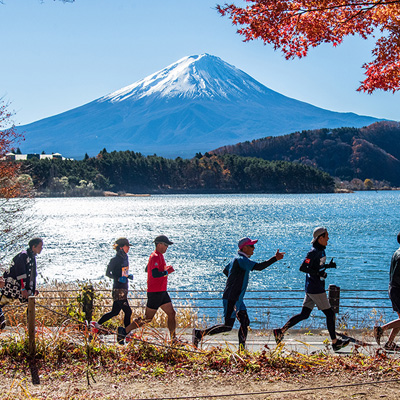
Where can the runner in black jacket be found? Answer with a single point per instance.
(394, 294)
(118, 270)
(314, 265)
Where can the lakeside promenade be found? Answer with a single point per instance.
(304, 341)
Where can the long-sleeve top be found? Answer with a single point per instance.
(23, 271)
(119, 267)
(238, 271)
(395, 269)
(313, 265)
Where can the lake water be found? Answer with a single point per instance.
(79, 233)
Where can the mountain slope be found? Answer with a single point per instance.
(371, 152)
(194, 105)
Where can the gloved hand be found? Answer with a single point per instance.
(130, 277)
(331, 264)
(123, 279)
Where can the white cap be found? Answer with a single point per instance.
(317, 233)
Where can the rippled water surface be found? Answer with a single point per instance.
(205, 229)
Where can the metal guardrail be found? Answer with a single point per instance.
(268, 295)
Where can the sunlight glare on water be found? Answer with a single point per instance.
(79, 232)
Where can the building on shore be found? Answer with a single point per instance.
(21, 157)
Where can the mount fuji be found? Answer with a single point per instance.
(197, 104)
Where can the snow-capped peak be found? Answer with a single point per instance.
(192, 76)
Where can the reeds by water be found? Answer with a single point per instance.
(58, 303)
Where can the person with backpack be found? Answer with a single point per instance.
(237, 271)
(19, 280)
(118, 271)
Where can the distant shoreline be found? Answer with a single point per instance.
(199, 192)
(114, 194)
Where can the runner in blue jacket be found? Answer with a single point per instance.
(237, 271)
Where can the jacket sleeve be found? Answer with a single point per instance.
(156, 273)
(395, 268)
(20, 266)
(113, 272)
(311, 264)
(226, 270)
(264, 264)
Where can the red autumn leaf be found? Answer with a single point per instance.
(293, 26)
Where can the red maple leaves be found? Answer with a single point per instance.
(9, 171)
(293, 26)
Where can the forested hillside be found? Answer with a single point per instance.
(127, 171)
(372, 152)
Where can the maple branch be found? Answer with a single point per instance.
(366, 6)
(369, 4)
(296, 25)
(364, 11)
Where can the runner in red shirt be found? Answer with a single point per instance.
(157, 295)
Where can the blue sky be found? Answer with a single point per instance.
(58, 56)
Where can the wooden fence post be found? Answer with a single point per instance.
(31, 340)
(334, 298)
(87, 301)
(31, 325)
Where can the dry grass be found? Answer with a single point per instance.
(56, 307)
(68, 357)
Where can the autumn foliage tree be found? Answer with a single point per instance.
(295, 26)
(9, 171)
(15, 194)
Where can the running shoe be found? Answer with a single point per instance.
(196, 337)
(378, 332)
(121, 334)
(391, 346)
(339, 344)
(278, 335)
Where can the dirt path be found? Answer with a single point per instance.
(241, 387)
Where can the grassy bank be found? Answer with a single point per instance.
(70, 358)
(73, 363)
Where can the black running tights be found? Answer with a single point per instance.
(118, 305)
(242, 317)
(305, 313)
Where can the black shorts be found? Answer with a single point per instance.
(394, 295)
(157, 299)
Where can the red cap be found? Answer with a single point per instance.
(246, 242)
